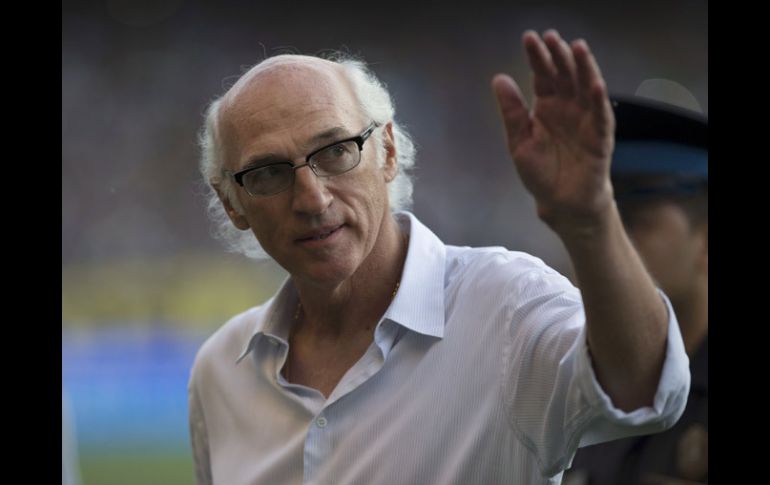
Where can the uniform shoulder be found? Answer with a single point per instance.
(495, 263)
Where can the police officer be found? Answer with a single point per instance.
(660, 178)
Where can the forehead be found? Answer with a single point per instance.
(293, 98)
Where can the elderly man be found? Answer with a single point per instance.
(390, 357)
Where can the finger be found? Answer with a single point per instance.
(566, 77)
(604, 118)
(541, 63)
(512, 108)
(588, 73)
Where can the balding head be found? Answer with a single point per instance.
(285, 68)
(280, 94)
(285, 94)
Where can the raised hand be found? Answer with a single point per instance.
(562, 146)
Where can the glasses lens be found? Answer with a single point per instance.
(336, 159)
(268, 180)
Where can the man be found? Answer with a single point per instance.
(660, 175)
(389, 357)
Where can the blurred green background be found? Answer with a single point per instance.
(143, 282)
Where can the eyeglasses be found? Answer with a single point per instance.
(334, 159)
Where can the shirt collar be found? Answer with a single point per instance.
(274, 320)
(419, 302)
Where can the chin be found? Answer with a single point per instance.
(327, 273)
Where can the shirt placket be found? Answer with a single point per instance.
(322, 432)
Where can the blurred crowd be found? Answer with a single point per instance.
(136, 78)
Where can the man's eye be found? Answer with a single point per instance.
(275, 170)
(268, 172)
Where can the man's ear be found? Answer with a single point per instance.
(236, 217)
(390, 168)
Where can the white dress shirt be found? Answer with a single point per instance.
(479, 373)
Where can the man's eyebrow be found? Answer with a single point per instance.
(329, 136)
(263, 160)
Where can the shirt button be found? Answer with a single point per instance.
(321, 422)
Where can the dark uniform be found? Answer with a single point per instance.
(661, 151)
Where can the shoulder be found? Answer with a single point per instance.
(497, 268)
(227, 343)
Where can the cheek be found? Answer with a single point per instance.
(266, 221)
(367, 191)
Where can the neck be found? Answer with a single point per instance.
(692, 314)
(357, 303)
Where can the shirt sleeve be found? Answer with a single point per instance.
(199, 439)
(553, 399)
(609, 422)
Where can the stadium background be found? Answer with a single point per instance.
(143, 283)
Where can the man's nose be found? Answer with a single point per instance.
(309, 192)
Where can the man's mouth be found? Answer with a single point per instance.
(322, 234)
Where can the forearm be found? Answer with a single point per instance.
(626, 318)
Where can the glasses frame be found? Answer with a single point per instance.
(359, 139)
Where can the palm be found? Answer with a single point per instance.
(562, 147)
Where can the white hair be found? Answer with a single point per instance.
(375, 103)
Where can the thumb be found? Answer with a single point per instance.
(512, 108)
